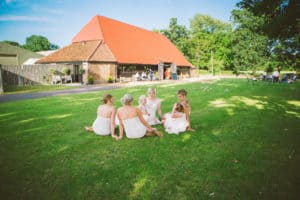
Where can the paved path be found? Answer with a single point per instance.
(35, 95)
(92, 88)
(82, 89)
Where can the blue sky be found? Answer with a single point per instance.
(61, 20)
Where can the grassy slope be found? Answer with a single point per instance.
(246, 146)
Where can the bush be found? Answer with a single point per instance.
(66, 71)
(90, 80)
(110, 79)
(81, 71)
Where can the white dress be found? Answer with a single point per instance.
(102, 126)
(134, 128)
(152, 108)
(145, 113)
(175, 125)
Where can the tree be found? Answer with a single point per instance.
(282, 26)
(207, 35)
(249, 45)
(38, 43)
(281, 16)
(178, 35)
(53, 46)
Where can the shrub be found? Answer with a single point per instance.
(90, 80)
(81, 71)
(66, 71)
(110, 79)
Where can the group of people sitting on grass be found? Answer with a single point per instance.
(137, 122)
(275, 77)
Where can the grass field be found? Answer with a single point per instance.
(246, 146)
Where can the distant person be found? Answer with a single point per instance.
(132, 122)
(144, 76)
(292, 79)
(275, 76)
(168, 73)
(151, 74)
(285, 78)
(264, 76)
(175, 122)
(137, 76)
(105, 121)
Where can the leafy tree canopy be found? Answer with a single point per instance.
(249, 46)
(281, 25)
(281, 16)
(38, 43)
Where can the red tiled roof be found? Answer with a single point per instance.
(131, 44)
(95, 50)
(121, 42)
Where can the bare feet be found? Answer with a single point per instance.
(117, 138)
(88, 128)
(158, 133)
(190, 129)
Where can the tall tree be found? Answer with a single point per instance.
(282, 25)
(178, 34)
(209, 35)
(282, 16)
(38, 43)
(249, 45)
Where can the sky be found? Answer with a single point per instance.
(61, 20)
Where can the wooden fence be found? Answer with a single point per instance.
(14, 75)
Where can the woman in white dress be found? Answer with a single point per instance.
(132, 122)
(105, 121)
(153, 105)
(175, 122)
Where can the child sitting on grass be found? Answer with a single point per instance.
(175, 122)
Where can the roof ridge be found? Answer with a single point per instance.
(98, 45)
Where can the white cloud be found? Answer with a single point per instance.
(37, 8)
(25, 18)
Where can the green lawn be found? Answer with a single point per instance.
(246, 146)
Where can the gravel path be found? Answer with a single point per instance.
(92, 88)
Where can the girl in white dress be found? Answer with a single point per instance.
(153, 105)
(175, 122)
(132, 122)
(105, 121)
(182, 97)
(143, 107)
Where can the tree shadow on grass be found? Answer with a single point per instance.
(245, 146)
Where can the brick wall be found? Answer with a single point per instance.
(102, 71)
